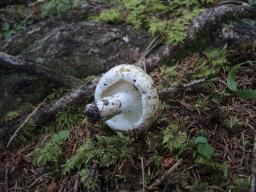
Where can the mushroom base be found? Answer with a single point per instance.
(108, 107)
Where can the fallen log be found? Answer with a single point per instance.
(157, 57)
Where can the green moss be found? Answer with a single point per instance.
(241, 184)
(201, 104)
(85, 175)
(56, 7)
(177, 31)
(173, 137)
(217, 56)
(215, 60)
(156, 26)
(108, 150)
(170, 71)
(234, 125)
(11, 115)
(110, 16)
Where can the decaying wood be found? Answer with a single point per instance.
(159, 55)
(17, 63)
(216, 16)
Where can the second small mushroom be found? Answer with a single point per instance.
(125, 98)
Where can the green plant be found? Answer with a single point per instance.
(11, 115)
(241, 184)
(173, 138)
(57, 93)
(66, 119)
(146, 13)
(201, 104)
(215, 60)
(231, 83)
(85, 175)
(110, 16)
(156, 161)
(108, 151)
(6, 30)
(197, 186)
(234, 124)
(50, 151)
(203, 148)
(170, 71)
(156, 26)
(222, 167)
(217, 56)
(205, 152)
(55, 7)
(177, 31)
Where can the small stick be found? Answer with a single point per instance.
(6, 180)
(186, 87)
(253, 182)
(143, 173)
(24, 122)
(160, 180)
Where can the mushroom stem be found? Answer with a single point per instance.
(108, 107)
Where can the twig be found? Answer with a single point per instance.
(143, 174)
(186, 87)
(149, 48)
(6, 180)
(76, 183)
(253, 183)
(24, 122)
(160, 180)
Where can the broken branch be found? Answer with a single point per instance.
(161, 179)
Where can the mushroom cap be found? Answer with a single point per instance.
(133, 80)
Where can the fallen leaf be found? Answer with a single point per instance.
(53, 187)
(168, 162)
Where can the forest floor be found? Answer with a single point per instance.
(206, 133)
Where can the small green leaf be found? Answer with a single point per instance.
(205, 150)
(201, 139)
(231, 83)
(224, 168)
(60, 136)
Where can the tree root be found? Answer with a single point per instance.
(17, 63)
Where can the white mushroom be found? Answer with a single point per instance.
(125, 98)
